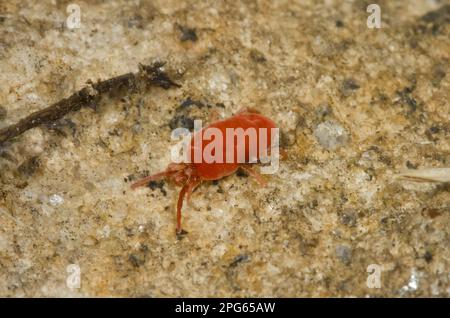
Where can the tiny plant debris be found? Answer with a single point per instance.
(441, 175)
(148, 75)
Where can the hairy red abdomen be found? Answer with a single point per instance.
(250, 123)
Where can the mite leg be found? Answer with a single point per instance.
(171, 169)
(185, 191)
(214, 116)
(192, 186)
(247, 110)
(259, 178)
(144, 181)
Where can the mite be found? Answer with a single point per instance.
(190, 175)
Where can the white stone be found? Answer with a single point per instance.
(56, 199)
(331, 135)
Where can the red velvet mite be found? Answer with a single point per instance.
(190, 175)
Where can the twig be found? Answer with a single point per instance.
(426, 175)
(89, 95)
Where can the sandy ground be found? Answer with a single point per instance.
(355, 106)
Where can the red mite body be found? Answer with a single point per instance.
(190, 175)
(215, 170)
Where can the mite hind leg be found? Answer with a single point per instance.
(214, 116)
(192, 186)
(259, 178)
(250, 110)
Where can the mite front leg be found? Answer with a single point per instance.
(146, 180)
(192, 186)
(185, 191)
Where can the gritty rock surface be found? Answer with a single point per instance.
(328, 213)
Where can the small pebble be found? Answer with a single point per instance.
(56, 199)
(331, 135)
(348, 87)
(350, 84)
(323, 110)
(349, 218)
(344, 253)
(413, 283)
(104, 232)
(188, 34)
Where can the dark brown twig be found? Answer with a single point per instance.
(88, 96)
